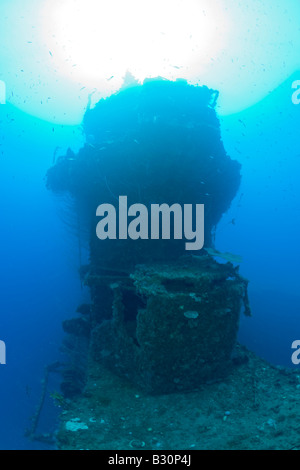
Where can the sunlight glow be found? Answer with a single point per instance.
(96, 40)
(65, 54)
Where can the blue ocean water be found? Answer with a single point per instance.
(39, 270)
(264, 139)
(39, 280)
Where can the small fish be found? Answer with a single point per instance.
(55, 154)
(227, 256)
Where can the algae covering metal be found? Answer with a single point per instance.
(256, 407)
(182, 330)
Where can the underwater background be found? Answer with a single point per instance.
(40, 284)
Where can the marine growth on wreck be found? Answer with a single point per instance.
(163, 318)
